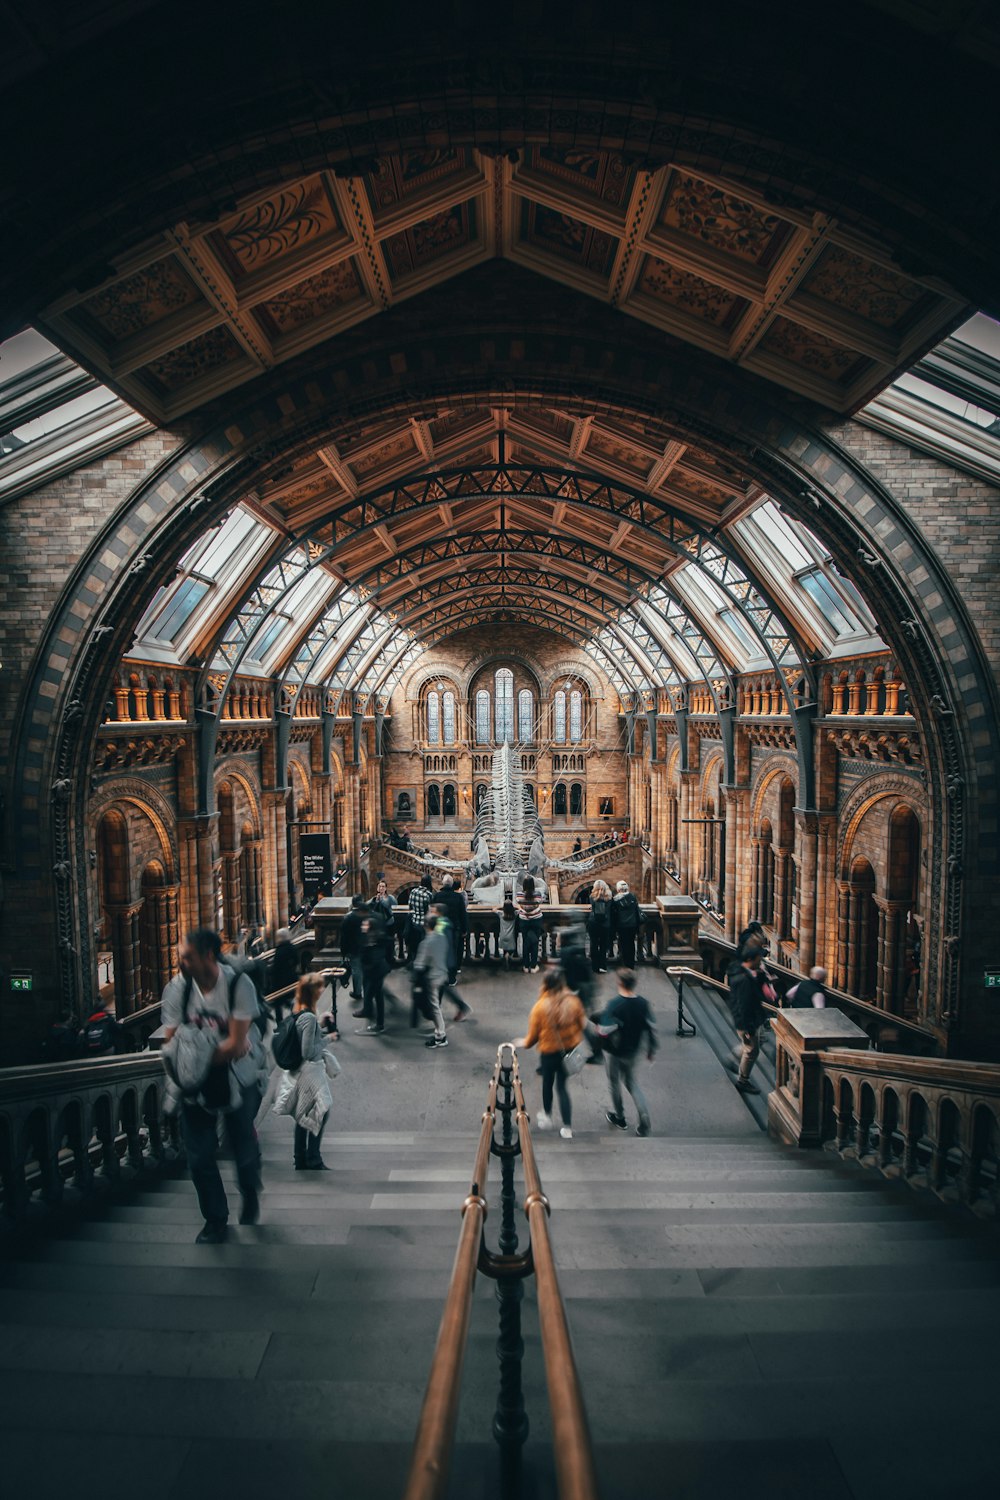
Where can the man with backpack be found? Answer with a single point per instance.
(626, 1024)
(625, 922)
(210, 996)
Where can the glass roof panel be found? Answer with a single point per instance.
(53, 414)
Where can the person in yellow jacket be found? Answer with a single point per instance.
(556, 1023)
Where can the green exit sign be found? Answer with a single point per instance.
(992, 978)
(21, 982)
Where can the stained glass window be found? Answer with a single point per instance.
(559, 717)
(449, 718)
(433, 719)
(525, 716)
(482, 717)
(505, 706)
(575, 716)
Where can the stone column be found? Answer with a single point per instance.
(688, 802)
(842, 971)
(352, 816)
(778, 895)
(198, 837)
(275, 872)
(808, 824)
(231, 892)
(126, 945)
(733, 850)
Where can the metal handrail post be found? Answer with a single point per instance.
(510, 1420)
(684, 1027)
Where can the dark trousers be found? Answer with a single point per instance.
(531, 934)
(626, 948)
(413, 935)
(198, 1128)
(553, 1073)
(373, 1004)
(600, 937)
(306, 1146)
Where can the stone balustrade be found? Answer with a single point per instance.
(57, 1121)
(669, 930)
(931, 1122)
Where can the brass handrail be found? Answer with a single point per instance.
(430, 1463)
(575, 1476)
(431, 1460)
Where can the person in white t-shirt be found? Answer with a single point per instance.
(208, 993)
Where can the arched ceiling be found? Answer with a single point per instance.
(723, 199)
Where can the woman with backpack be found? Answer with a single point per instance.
(599, 925)
(304, 1092)
(557, 1023)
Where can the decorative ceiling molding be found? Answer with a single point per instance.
(786, 292)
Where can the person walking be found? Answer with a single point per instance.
(748, 990)
(208, 994)
(531, 924)
(811, 991)
(557, 1023)
(451, 898)
(442, 924)
(283, 970)
(599, 925)
(374, 968)
(383, 903)
(625, 922)
(431, 968)
(627, 1025)
(417, 906)
(310, 1080)
(350, 947)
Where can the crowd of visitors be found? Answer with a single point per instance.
(222, 1076)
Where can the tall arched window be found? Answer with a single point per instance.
(575, 716)
(449, 803)
(433, 800)
(505, 706)
(449, 718)
(576, 800)
(559, 799)
(482, 717)
(525, 716)
(559, 717)
(433, 719)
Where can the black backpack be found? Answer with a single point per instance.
(287, 1044)
(628, 914)
(98, 1036)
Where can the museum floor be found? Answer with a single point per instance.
(746, 1319)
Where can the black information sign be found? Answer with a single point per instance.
(317, 867)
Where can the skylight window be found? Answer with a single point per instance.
(54, 416)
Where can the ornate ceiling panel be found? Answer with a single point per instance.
(787, 293)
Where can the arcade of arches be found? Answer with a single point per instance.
(335, 453)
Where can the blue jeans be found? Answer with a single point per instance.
(198, 1128)
(621, 1070)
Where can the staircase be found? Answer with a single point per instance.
(747, 1319)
